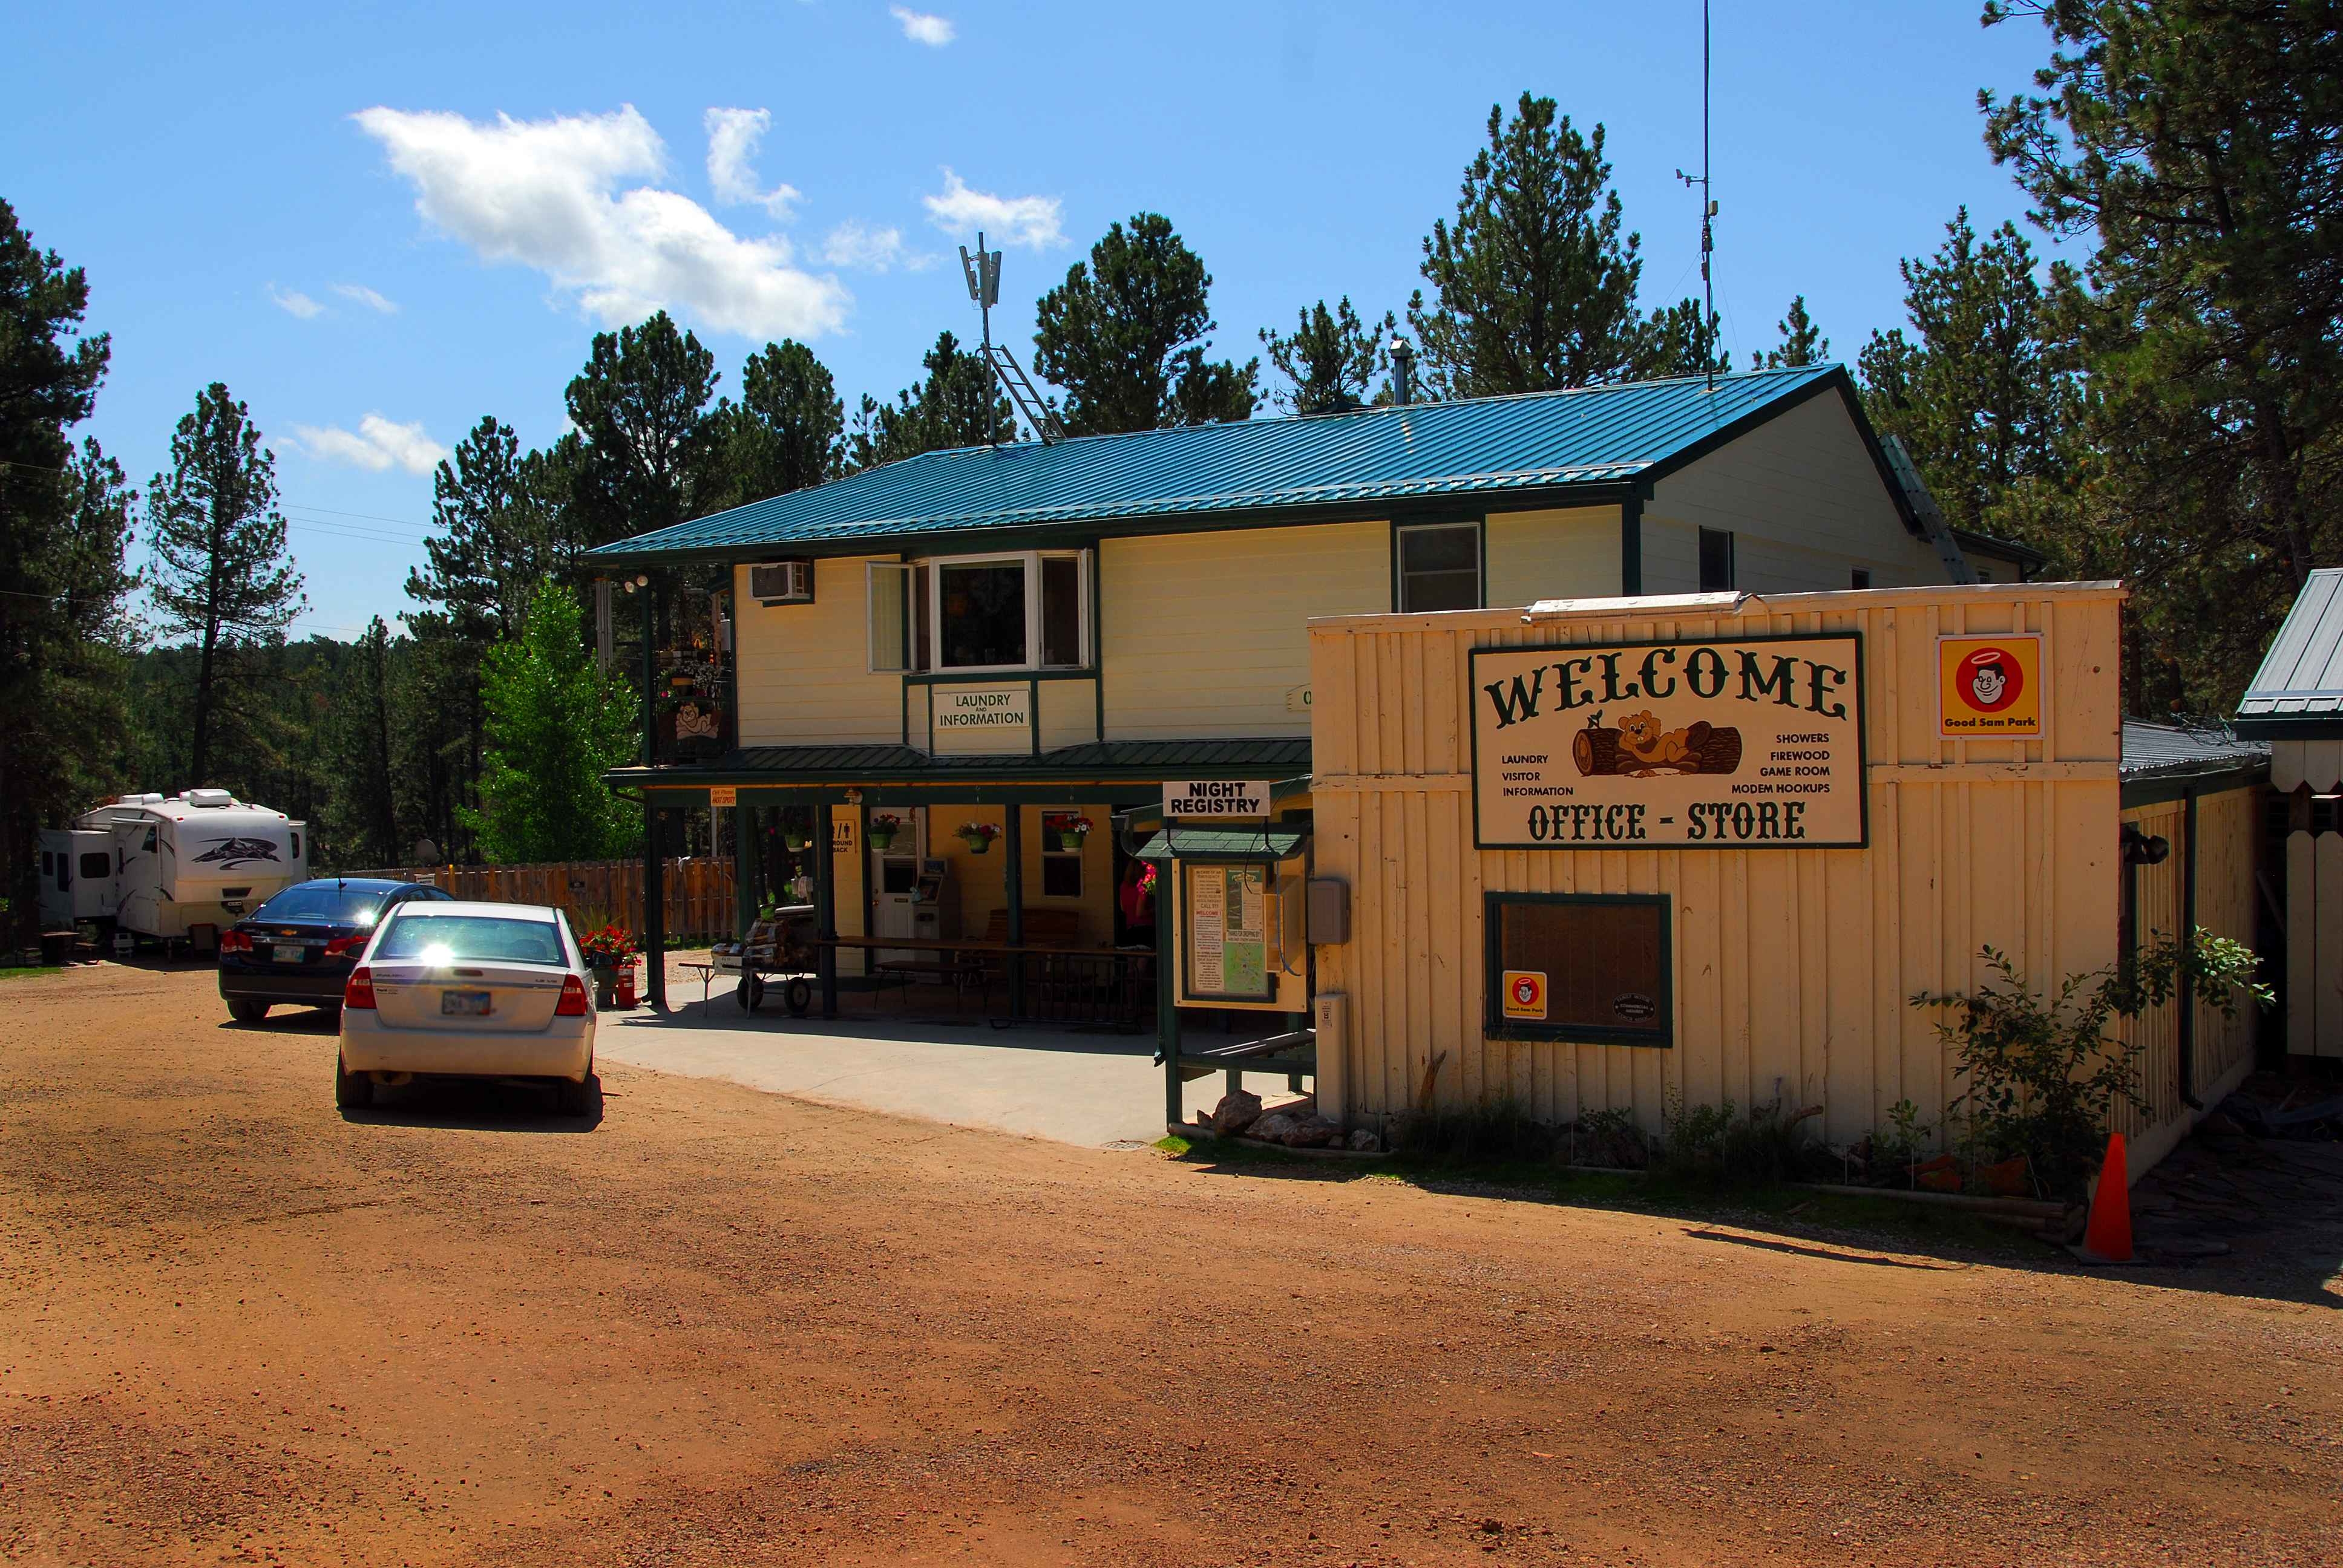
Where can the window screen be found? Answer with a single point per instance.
(983, 614)
(1440, 566)
(1716, 561)
(1590, 967)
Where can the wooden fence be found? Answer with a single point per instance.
(594, 893)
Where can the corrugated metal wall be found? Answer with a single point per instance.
(1792, 968)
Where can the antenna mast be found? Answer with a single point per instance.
(983, 273)
(1708, 215)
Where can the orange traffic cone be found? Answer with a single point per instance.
(2107, 1238)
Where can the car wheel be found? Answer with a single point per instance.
(799, 997)
(247, 1011)
(352, 1090)
(580, 1098)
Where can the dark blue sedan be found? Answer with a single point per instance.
(300, 946)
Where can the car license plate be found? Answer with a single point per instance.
(289, 955)
(463, 1003)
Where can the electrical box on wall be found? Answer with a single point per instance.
(1326, 1017)
(1329, 910)
(781, 582)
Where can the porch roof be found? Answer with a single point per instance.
(1240, 757)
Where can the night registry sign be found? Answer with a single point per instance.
(1743, 744)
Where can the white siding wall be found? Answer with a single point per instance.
(1804, 502)
(1566, 554)
(804, 668)
(1202, 633)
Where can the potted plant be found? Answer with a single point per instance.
(978, 836)
(605, 950)
(793, 837)
(884, 826)
(1071, 831)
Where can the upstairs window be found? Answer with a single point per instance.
(975, 614)
(1716, 561)
(1439, 566)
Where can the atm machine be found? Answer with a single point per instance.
(913, 896)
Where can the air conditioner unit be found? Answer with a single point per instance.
(781, 582)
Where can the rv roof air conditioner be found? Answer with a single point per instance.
(210, 798)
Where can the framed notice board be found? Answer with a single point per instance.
(1224, 932)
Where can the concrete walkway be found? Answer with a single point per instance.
(1075, 1088)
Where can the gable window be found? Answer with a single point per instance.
(1580, 966)
(1029, 610)
(1439, 566)
(1716, 561)
(1861, 579)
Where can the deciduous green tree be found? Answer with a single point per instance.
(1126, 334)
(1331, 358)
(555, 725)
(221, 577)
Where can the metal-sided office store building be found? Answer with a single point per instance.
(1602, 853)
(1023, 637)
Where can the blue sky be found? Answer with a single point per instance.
(378, 223)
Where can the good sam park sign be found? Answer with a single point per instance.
(1755, 743)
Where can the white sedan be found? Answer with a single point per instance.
(460, 989)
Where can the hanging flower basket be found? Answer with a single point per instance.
(1071, 831)
(883, 829)
(978, 836)
(794, 839)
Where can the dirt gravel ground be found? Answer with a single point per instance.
(721, 1327)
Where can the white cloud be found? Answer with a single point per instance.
(293, 302)
(1006, 220)
(546, 194)
(921, 27)
(856, 244)
(367, 297)
(377, 444)
(733, 139)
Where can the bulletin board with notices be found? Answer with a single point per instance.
(1226, 933)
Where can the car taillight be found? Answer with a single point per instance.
(573, 998)
(359, 992)
(342, 946)
(235, 942)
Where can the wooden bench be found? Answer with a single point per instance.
(1044, 928)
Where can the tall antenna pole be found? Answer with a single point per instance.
(983, 272)
(1707, 216)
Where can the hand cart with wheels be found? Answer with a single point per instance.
(779, 950)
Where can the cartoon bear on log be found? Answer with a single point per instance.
(1640, 748)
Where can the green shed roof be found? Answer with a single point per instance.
(2297, 693)
(1278, 841)
(1530, 446)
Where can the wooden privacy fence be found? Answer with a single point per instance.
(593, 893)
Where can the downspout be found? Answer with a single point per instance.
(1630, 545)
(2187, 972)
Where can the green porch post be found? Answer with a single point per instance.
(654, 910)
(745, 878)
(1012, 841)
(1167, 1016)
(824, 903)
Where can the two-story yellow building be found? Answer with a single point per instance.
(948, 666)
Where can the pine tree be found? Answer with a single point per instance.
(957, 404)
(1533, 286)
(221, 574)
(1125, 335)
(555, 725)
(788, 431)
(361, 817)
(1803, 342)
(1332, 358)
(1980, 395)
(649, 449)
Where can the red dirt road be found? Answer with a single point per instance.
(721, 1328)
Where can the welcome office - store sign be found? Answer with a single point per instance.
(1748, 743)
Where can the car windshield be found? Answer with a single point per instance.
(324, 901)
(437, 938)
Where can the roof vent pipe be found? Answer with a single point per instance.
(1403, 359)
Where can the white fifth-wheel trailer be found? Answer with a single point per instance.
(169, 868)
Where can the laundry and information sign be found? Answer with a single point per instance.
(1745, 744)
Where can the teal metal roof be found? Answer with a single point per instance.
(2299, 689)
(1589, 438)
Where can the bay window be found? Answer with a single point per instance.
(1026, 610)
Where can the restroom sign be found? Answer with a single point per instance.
(1989, 688)
(1216, 798)
(1525, 994)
